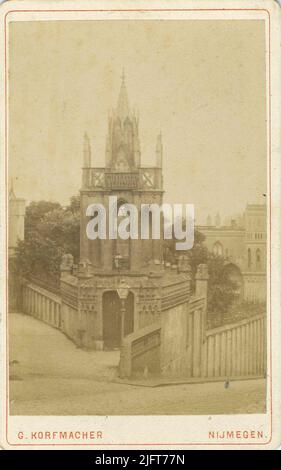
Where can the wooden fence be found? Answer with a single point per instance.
(236, 350)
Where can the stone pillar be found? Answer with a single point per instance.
(202, 277)
(66, 264)
(98, 339)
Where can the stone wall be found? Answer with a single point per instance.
(140, 352)
(176, 339)
(182, 338)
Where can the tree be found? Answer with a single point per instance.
(34, 213)
(50, 232)
(221, 290)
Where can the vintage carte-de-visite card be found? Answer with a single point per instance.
(140, 224)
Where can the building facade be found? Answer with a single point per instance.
(243, 245)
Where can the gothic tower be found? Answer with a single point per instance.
(119, 284)
(123, 177)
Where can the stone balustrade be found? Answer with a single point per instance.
(42, 304)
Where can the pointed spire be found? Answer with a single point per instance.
(11, 191)
(123, 102)
(218, 220)
(86, 152)
(159, 151)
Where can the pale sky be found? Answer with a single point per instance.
(202, 83)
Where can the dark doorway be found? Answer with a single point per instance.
(112, 318)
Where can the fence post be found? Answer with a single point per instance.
(201, 289)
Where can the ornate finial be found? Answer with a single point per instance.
(123, 102)
(85, 268)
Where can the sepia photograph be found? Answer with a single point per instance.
(113, 113)
(140, 198)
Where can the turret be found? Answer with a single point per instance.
(159, 151)
(86, 152)
(137, 152)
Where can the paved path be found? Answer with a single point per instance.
(51, 376)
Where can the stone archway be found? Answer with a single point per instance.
(112, 318)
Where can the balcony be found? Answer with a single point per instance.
(139, 179)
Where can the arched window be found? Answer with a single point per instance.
(258, 258)
(249, 258)
(218, 249)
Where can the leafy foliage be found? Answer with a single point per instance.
(34, 213)
(50, 231)
(221, 289)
